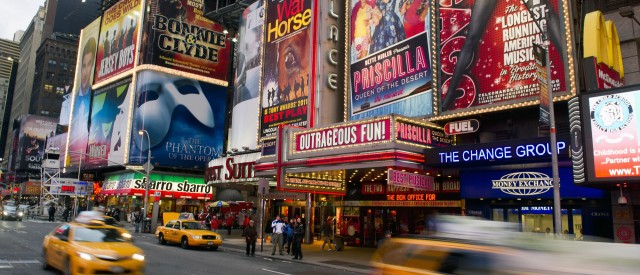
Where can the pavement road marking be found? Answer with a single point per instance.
(276, 272)
(19, 262)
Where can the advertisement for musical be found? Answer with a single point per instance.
(178, 36)
(81, 95)
(34, 131)
(286, 79)
(118, 39)
(390, 58)
(110, 113)
(246, 101)
(612, 130)
(487, 52)
(184, 119)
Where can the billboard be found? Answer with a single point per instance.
(487, 53)
(179, 37)
(287, 64)
(110, 111)
(34, 131)
(611, 132)
(118, 38)
(185, 119)
(247, 78)
(81, 95)
(390, 58)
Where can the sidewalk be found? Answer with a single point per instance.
(353, 259)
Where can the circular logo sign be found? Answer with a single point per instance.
(624, 233)
(611, 113)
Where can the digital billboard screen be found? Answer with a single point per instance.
(390, 58)
(178, 36)
(184, 118)
(487, 52)
(611, 132)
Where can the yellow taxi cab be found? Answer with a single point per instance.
(188, 233)
(91, 247)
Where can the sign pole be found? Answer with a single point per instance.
(557, 211)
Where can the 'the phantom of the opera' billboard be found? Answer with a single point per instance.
(81, 95)
(288, 50)
(487, 52)
(246, 100)
(34, 130)
(178, 36)
(110, 112)
(118, 38)
(184, 118)
(390, 57)
(612, 134)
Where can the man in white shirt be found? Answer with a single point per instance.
(278, 229)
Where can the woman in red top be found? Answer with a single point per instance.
(229, 224)
(246, 221)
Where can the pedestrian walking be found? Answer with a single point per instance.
(327, 234)
(298, 234)
(52, 212)
(288, 235)
(65, 214)
(137, 219)
(230, 221)
(251, 235)
(278, 230)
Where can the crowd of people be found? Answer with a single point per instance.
(286, 233)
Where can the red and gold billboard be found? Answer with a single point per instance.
(179, 37)
(287, 63)
(487, 53)
(612, 134)
(118, 39)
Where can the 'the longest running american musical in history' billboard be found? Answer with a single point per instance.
(487, 51)
(287, 61)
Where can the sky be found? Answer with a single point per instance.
(16, 15)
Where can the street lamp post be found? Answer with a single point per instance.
(148, 170)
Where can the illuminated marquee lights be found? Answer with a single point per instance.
(569, 64)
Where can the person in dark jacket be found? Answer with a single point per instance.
(288, 234)
(327, 234)
(251, 235)
(65, 214)
(52, 212)
(298, 235)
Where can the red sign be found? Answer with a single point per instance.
(358, 133)
(487, 55)
(67, 188)
(412, 197)
(600, 76)
(413, 132)
(410, 180)
(461, 127)
(624, 233)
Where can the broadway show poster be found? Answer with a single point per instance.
(246, 100)
(179, 37)
(185, 119)
(287, 64)
(487, 56)
(118, 39)
(390, 57)
(110, 113)
(81, 95)
(34, 131)
(615, 133)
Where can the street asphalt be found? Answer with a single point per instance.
(21, 250)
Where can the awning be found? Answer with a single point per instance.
(153, 193)
(229, 195)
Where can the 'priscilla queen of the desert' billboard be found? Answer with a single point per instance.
(391, 59)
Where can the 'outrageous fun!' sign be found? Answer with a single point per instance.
(344, 135)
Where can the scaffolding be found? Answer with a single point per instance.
(50, 176)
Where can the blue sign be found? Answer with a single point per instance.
(529, 183)
(492, 153)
